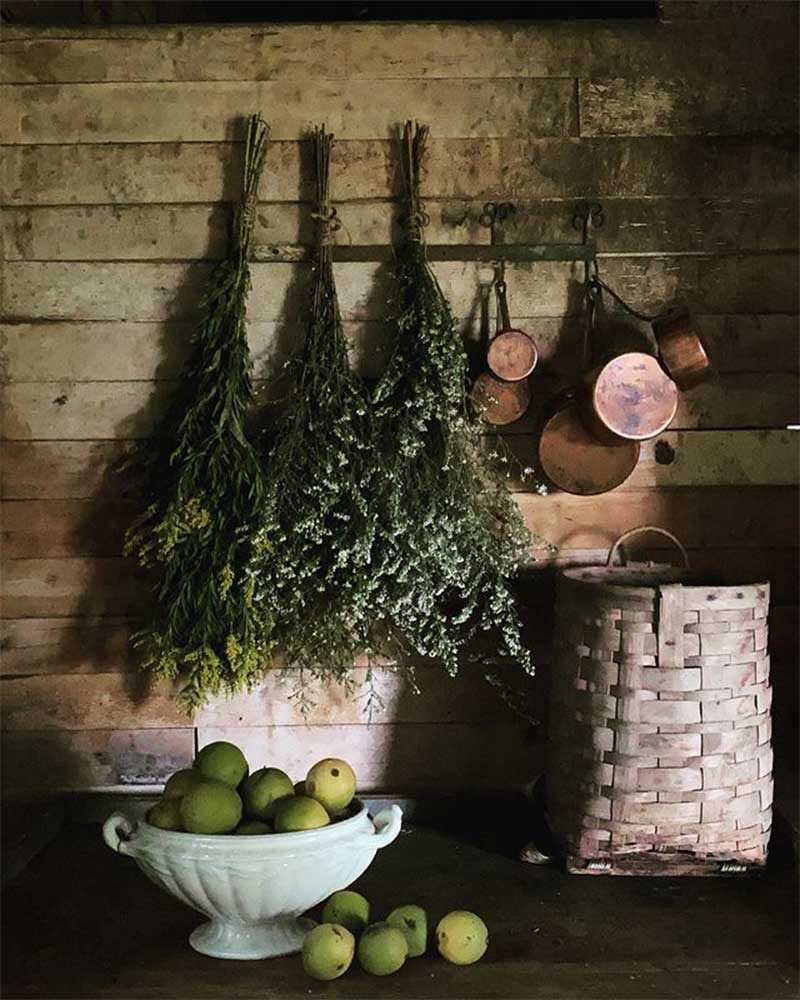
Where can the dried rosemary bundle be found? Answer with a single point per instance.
(313, 574)
(204, 488)
(451, 534)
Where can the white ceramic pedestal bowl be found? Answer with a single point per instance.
(254, 888)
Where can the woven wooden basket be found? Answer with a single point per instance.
(660, 758)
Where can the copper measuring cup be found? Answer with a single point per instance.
(512, 354)
(629, 395)
(572, 459)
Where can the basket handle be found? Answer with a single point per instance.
(640, 531)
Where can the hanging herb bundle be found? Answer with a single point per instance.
(204, 487)
(451, 535)
(313, 573)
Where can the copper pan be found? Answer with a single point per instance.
(572, 459)
(499, 402)
(629, 396)
(512, 354)
(681, 348)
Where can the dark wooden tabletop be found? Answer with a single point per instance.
(81, 921)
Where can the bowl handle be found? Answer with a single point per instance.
(117, 832)
(387, 826)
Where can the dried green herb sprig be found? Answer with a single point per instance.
(451, 535)
(204, 489)
(313, 575)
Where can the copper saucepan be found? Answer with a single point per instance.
(572, 459)
(512, 354)
(629, 396)
(681, 348)
(499, 402)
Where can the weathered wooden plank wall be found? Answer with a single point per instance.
(119, 151)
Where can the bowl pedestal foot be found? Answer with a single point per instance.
(224, 939)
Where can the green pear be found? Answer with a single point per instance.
(328, 951)
(211, 807)
(462, 937)
(413, 922)
(166, 815)
(221, 761)
(299, 813)
(180, 783)
(347, 908)
(382, 949)
(253, 827)
(332, 782)
(263, 789)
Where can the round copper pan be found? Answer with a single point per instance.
(629, 397)
(573, 460)
(681, 349)
(512, 355)
(499, 402)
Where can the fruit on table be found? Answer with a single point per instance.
(382, 949)
(299, 788)
(221, 761)
(462, 937)
(166, 815)
(263, 789)
(211, 807)
(347, 908)
(180, 783)
(328, 951)
(252, 827)
(299, 813)
(332, 782)
(413, 922)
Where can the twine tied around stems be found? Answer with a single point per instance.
(254, 155)
(328, 222)
(415, 137)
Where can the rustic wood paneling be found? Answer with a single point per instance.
(76, 470)
(188, 232)
(100, 350)
(418, 759)
(714, 517)
(113, 216)
(53, 759)
(611, 167)
(90, 410)
(203, 112)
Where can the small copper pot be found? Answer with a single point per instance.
(630, 397)
(681, 348)
(499, 402)
(512, 354)
(572, 459)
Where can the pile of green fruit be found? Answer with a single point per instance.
(219, 795)
(383, 947)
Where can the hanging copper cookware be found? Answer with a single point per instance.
(512, 354)
(572, 459)
(681, 348)
(499, 402)
(628, 395)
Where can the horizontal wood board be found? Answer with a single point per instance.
(111, 218)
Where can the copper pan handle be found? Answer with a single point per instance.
(641, 530)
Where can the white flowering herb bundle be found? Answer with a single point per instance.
(313, 572)
(450, 533)
(205, 489)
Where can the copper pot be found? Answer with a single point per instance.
(681, 348)
(512, 354)
(499, 402)
(630, 397)
(572, 459)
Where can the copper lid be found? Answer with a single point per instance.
(512, 355)
(633, 396)
(499, 402)
(576, 462)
